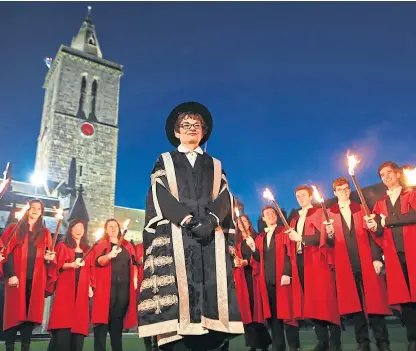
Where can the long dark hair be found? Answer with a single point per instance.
(38, 227)
(69, 240)
(105, 236)
(239, 236)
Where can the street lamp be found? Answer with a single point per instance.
(38, 179)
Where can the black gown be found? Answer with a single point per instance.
(256, 334)
(193, 296)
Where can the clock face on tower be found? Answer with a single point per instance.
(87, 129)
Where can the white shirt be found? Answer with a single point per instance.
(270, 232)
(394, 194)
(190, 155)
(345, 210)
(302, 218)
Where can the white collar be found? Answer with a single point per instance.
(182, 148)
(395, 191)
(344, 204)
(270, 229)
(304, 211)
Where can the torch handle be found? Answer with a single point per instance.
(18, 225)
(280, 213)
(55, 237)
(120, 241)
(325, 211)
(361, 196)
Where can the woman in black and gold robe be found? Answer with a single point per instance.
(188, 295)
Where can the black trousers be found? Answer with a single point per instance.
(119, 303)
(278, 327)
(361, 324)
(327, 333)
(408, 309)
(207, 342)
(25, 328)
(64, 340)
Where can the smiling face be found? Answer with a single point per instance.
(190, 129)
(112, 229)
(35, 211)
(77, 231)
(343, 192)
(390, 177)
(243, 221)
(269, 216)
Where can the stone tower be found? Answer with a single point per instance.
(80, 120)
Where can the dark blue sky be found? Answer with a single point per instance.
(291, 86)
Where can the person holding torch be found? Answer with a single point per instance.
(26, 250)
(246, 268)
(314, 295)
(114, 301)
(273, 289)
(395, 230)
(357, 262)
(72, 280)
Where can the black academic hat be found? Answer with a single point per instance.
(194, 107)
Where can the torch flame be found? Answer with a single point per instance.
(267, 194)
(99, 234)
(317, 195)
(352, 162)
(59, 213)
(126, 224)
(237, 212)
(410, 175)
(19, 215)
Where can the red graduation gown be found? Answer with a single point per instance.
(15, 298)
(283, 293)
(397, 289)
(375, 292)
(139, 253)
(1, 263)
(318, 300)
(101, 299)
(242, 290)
(70, 311)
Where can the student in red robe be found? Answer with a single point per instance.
(25, 267)
(73, 284)
(114, 304)
(314, 295)
(272, 282)
(361, 289)
(150, 342)
(255, 331)
(395, 230)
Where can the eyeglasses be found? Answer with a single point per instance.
(188, 126)
(344, 190)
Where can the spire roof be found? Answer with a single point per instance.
(86, 39)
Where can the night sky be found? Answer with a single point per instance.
(291, 86)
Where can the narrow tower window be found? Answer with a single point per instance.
(81, 113)
(93, 100)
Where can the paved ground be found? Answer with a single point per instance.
(131, 343)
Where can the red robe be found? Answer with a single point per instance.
(139, 254)
(101, 299)
(15, 298)
(283, 293)
(375, 292)
(70, 311)
(1, 263)
(242, 290)
(318, 300)
(397, 289)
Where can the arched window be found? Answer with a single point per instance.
(81, 113)
(93, 100)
